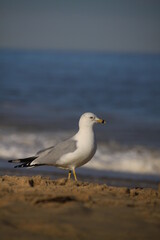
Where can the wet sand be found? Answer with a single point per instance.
(40, 208)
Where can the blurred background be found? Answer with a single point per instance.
(59, 59)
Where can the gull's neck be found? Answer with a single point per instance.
(86, 131)
(86, 136)
(86, 128)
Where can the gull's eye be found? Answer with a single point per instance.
(91, 117)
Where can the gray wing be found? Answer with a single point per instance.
(44, 150)
(50, 156)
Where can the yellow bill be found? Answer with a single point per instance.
(99, 120)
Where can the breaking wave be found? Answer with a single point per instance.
(110, 156)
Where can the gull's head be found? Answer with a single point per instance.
(89, 119)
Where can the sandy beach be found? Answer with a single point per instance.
(40, 208)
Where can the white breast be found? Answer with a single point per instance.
(86, 144)
(86, 148)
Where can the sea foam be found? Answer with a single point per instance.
(110, 156)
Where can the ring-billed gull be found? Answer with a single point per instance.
(71, 153)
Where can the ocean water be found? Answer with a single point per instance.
(43, 94)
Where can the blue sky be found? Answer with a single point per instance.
(102, 25)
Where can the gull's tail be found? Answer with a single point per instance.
(25, 162)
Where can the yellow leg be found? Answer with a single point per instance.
(69, 174)
(74, 173)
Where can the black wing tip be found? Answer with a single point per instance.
(22, 165)
(27, 165)
(18, 166)
(14, 161)
(10, 160)
(23, 160)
